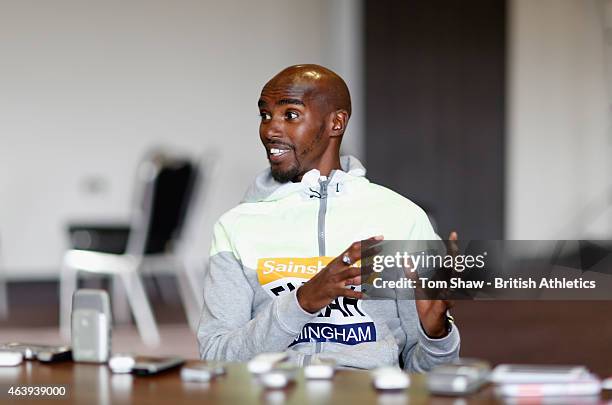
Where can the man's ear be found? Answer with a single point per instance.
(339, 120)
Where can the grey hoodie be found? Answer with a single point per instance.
(277, 239)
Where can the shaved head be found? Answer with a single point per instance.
(319, 83)
(304, 112)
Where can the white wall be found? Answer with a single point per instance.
(87, 87)
(559, 159)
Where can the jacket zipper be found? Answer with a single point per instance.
(323, 183)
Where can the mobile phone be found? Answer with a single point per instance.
(533, 373)
(54, 354)
(155, 365)
(464, 376)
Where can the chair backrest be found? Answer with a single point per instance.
(164, 193)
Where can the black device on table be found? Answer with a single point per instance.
(155, 365)
(43, 353)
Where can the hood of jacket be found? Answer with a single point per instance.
(265, 188)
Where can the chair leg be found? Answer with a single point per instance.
(192, 310)
(119, 301)
(141, 309)
(159, 292)
(195, 274)
(68, 285)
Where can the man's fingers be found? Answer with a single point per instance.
(346, 292)
(353, 281)
(452, 243)
(348, 257)
(354, 253)
(348, 273)
(370, 252)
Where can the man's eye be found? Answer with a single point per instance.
(264, 116)
(291, 115)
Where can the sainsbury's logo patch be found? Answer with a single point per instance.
(342, 321)
(275, 268)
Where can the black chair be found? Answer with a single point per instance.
(164, 189)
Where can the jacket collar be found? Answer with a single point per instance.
(265, 188)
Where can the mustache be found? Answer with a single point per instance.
(277, 144)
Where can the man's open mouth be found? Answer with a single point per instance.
(277, 152)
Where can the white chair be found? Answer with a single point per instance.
(165, 186)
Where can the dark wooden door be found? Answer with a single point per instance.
(435, 100)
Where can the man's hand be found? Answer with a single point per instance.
(331, 281)
(432, 313)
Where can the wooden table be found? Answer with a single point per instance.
(95, 384)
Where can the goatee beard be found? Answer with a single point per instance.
(285, 176)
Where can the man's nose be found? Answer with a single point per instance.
(272, 129)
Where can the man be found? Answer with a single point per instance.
(280, 275)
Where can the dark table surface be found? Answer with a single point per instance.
(96, 384)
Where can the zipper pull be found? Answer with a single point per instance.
(323, 182)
